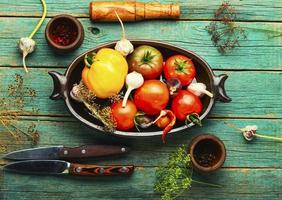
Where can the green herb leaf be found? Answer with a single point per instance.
(175, 177)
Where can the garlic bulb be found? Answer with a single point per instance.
(199, 89)
(27, 46)
(249, 132)
(124, 46)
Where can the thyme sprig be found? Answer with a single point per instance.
(225, 34)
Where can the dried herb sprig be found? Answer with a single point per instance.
(103, 113)
(225, 34)
(12, 107)
(176, 176)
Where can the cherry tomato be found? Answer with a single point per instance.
(124, 117)
(163, 122)
(186, 103)
(151, 97)
(180, 67)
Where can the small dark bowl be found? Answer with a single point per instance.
(74, 25)
(207, 153)
(63, 85)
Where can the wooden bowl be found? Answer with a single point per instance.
(63, 85)
(73, 25)
(207, 153)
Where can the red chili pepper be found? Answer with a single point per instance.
(172, 118)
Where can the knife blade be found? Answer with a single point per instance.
(56, 167)
(61, 152)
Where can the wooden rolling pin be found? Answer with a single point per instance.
(132, 11)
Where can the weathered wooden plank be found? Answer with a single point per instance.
(152, 152)
(237, 184)
(261, 51)
(247, 10)
(255, 95)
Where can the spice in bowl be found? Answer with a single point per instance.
(207, 153)
(204, 156)
(64, 33)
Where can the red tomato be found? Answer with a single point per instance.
(185, 103)
(180, 67)
(151, 97)
(124, 117)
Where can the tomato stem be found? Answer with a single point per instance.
(180, 66)
(147, 58)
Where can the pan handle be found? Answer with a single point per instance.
(59, 85)
(220, 88)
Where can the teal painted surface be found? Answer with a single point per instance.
(270, 10)
(152, 152)
(255, 95)
(251, 171)
(262, 50)
(237, 185)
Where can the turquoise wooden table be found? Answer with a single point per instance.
(251, 171)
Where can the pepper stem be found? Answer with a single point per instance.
(194, 118)
(89, 58)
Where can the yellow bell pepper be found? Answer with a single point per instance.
(107, 73)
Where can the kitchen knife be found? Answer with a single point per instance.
(56, 167)
(60, 152)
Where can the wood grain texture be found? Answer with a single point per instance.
(255, 95)
(132, 11)
(270, 10)
(152, 152)
(261, 51)
(251, 171)
(237, 184)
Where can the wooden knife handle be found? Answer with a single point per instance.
(96, 170)
(88, 151)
